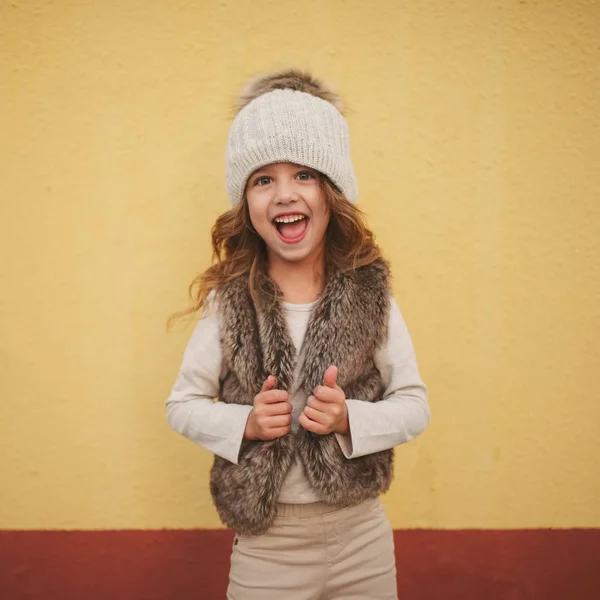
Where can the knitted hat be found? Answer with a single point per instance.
(289, 117)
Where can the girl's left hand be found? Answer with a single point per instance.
(326, 411)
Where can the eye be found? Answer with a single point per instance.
(306, 175)
(262, 180)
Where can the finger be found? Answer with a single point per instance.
(309, 425)
(277, 432)
(266, 422)
(317, 416)
(271, 396)
(317, 404)
(269, 383)
(326, 394)
(277, 421)
(330, 376)
(277, 408)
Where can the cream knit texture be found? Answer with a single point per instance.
(289, 126)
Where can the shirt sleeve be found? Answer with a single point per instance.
(403, 413)
(191, 410)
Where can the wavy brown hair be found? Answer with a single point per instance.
(239, 250)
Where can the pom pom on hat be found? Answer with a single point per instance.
(289, 79)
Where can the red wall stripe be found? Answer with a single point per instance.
(193, 564)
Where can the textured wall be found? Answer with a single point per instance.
(476, 143)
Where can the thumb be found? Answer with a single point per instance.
(269, 383)
(330, 376)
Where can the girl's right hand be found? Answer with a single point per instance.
(271, 416)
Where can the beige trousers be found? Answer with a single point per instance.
(317, 552)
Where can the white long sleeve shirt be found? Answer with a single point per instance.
(402, 414)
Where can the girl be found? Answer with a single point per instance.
(308, 354)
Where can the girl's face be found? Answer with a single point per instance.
(288, 210)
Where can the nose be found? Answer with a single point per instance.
(285, 193)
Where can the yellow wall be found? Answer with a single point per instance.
(476, 143)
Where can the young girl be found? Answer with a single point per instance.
(308, 354)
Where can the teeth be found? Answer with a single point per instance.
(291, 219)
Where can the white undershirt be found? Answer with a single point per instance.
(402, 414)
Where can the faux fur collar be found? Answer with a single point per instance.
(350, 313)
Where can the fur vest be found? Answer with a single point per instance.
(348, 325)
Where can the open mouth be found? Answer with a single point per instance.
(291, 228)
